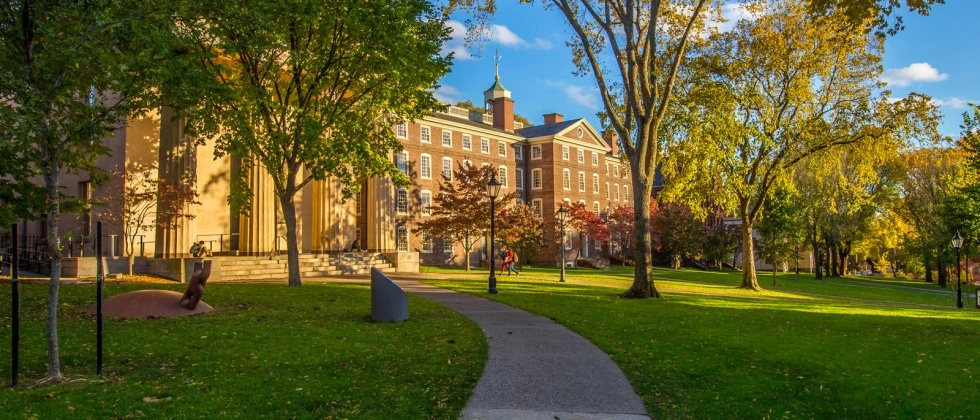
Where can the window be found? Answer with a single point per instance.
(425, 201)
(447, 245)
(595, 183)
(536, 207)
(607, 191)
(425, 166)
(581, 181)
(447, 168)
(616, 192)
(626, 193)
(401, 201)
(564, 152)
(616, 171)
(401, 130)
(595, 207)
(426, 136)
(519, 152)
(447, 138)
(467, 142)
(568, 240)
(502, 176)
(566, 182)
(426, 241)
(535, 179)
(501, 148)
(357, 204)
(484, 145)
(519, 178)
(581, 156)
(598, 245)
(595, 159)
(607, 169)
(535, 152)
(401, 160)
(401, 238)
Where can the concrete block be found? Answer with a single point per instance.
(389, 303)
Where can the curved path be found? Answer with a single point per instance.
(536, 368)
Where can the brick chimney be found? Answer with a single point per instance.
(503, 113)
(553, 118)
(612, 139)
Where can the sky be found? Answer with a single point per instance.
(937, 55)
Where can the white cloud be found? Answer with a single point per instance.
(448, 94)
(954, 102)
(457, 43)
(915, 72)
(504, 36)
(578, 94)
(542, 43)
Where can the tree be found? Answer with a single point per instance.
(681, 234)
(522, 230)
(720, 244)
(137, 205)
(70, 74)
(780, 227)
(786, 86)
(306, 89)
(621, 230)
(883, 14)
(584, 222)
(633, 49)
(459, 211)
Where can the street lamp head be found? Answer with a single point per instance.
(493, 187)
(562, 213)
(957, 240)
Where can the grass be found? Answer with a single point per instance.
(266, 351)
(840, 348)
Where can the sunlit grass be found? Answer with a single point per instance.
(710, 350)
(267, 351)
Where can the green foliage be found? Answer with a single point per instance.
(883, 14)
(680, 234)
(780, 227)
(522, 230)
(266, 351)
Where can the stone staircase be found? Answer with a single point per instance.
(310, 265)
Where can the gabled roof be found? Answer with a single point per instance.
(546, 129)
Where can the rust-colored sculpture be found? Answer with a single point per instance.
(195, 289)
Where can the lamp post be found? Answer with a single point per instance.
(957, 243)
(493, 188)
(562, 216)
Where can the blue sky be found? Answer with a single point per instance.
(937, 55)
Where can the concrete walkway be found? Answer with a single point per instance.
(536, 368)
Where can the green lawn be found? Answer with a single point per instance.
(267, 351)
(833, 348)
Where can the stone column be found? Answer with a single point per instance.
(177, 167)
(257, 231)
(380, 214)
(334, 217)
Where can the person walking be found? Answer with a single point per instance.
(511, 260)
(504, 262)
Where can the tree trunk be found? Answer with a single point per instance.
(643, 286)
(941, 269)
(927, 262)
(292, 246)
(468, 246)
(749, 280)
(53, 222)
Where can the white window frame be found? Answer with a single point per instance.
(566, 179)
(502, 176)
(401, 130)
(447, 245)
(519, 179)
(425, 166)
(484, 145)
(564, 152)
(425, 203)
(626, 193)
(535, 152)
(595, 159)
(616, 171)
(607, 191)
(536, 181)
(425, 134)
(401, 161)
(536, 207)
(401, 207)
(426, 242)
(595, 183)
(518, 152)
(401, 238)
(447, 175)
(595, 207)
(580, 155)
(501, 148)
(447, 138)
(581, 181)
(467, 142)
(616, 192)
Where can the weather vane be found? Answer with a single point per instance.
(496, 58)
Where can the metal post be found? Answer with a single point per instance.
(15, 306)
(493, 278)
(99, 280)
(561, 247)
(959, 291)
